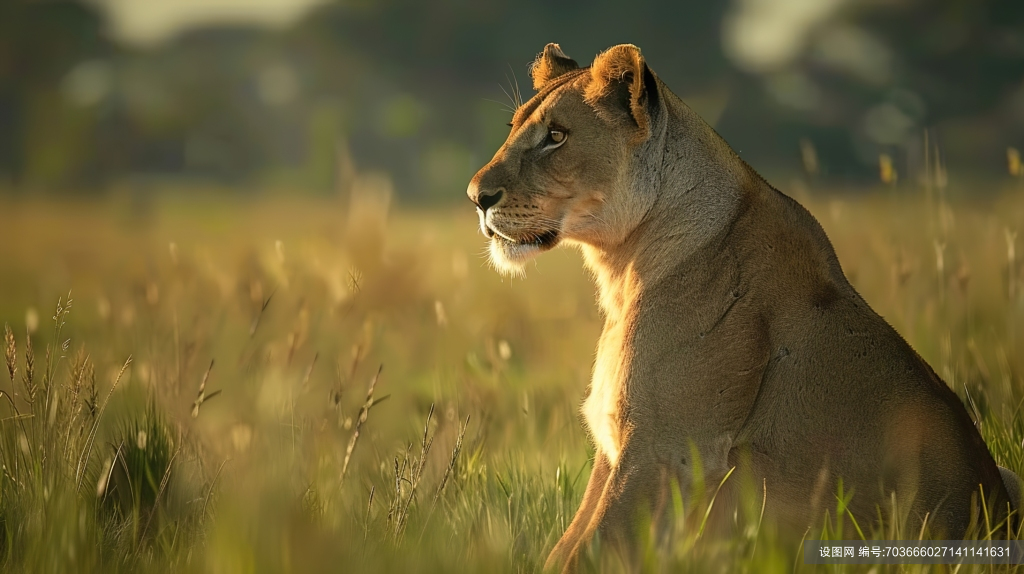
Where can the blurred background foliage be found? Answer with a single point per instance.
(293, 93)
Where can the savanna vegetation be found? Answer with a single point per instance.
(203, 382)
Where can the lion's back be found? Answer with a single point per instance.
(844, 392)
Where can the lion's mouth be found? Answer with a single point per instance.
(544, 240)
(536, 240)
(509, 253)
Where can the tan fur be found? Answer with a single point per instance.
(732, 337)
(550, 64)
(620, 64)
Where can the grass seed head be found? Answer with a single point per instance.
(28, 378)
(10, 352)
(90, 392)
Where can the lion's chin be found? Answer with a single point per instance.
(511, 258)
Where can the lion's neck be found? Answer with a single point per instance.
(618, 281)
(701, 186)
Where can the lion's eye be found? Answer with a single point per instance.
(556, 137)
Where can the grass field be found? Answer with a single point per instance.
(189, 378)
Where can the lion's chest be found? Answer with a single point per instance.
(603, 407)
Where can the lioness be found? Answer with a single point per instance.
(731, 335)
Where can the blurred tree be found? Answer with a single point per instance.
(43, 137)
(416, 88)
(863, 78)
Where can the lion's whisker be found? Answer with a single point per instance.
(513, 100)
(502, 104)
(516, 91)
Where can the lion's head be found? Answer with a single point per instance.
(566, 173)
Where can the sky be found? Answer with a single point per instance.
(149, 22)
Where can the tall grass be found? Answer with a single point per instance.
(284, 385)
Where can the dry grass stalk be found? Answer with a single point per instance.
(366, 521)
(456, 450)
(363, 413)
(90, 393)
(309, 372)
(81, 371)
(202, 397)
(83, 459)
(17, 414)
(256, 322)
(417, 473)
(213, 484)
(339, 390)
(245, 356)
(59, 320)
(10, 352)
(159, 493)
(974, 408)
(28, 377)
(108, 471)
(127, 474)
(396, 503)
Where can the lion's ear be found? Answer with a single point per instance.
(550, 64)
(621, 74)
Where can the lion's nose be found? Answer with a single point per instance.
(490, 199)
(486, 198)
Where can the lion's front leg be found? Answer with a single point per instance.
(560, 554)
(636, 496)
(629, 496)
